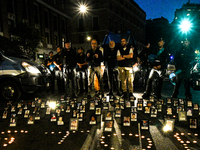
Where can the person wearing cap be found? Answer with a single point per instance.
(183, 58)
(158, 68)
(69, 62)
(81, 70)
(124, 58)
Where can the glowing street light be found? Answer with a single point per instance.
(88, 38)
(185, 26)
(82, 9)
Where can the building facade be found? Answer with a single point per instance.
(102, 17)
(48, 17)
(59, 20)
(191, 13)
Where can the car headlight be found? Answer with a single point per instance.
(31, 69)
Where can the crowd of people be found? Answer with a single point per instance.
(75, 70)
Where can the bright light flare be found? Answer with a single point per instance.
(88, 38)
(185, 26)
(166, 128)
(82, 9)
(52, 105)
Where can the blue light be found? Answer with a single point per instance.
(171, 57)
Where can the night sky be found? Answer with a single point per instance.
(164, 8)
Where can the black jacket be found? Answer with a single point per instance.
(92, 60)
(110, 58)
(69, 58)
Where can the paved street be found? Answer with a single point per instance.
(114, 132)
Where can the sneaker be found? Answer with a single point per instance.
(131, 95)
(75, 96)
(89, 96)
(124, 95)
(158, 96)
(188, 97)
(174, 96)
(119, 93)
(145, 96)
(110, 93)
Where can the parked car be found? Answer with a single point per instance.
(18, 74)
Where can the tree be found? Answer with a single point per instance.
(27, 38)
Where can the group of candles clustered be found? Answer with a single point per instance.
(110, 107)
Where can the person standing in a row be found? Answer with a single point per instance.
(110, 58)
(159, 65)
(81, 71)
(94, 59)
(124, 57)
(183, 59)
(58, 61)
(70, 61)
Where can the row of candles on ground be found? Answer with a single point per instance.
(12, 139)
(185, 143)
(123, 134)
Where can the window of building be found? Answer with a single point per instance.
(63, 42)
(95, 23)
(56, 40)
(63, 4)
(110, 6)
(122, 1)
(36, 13)
(81, 39)
(63, 26)
(47, 38)
(54, 2)
(1, 27)
(80, 24)
(55, 22)
(46, 18)
(110, 24)
(10, 6)
(95, 37)
(24, 9)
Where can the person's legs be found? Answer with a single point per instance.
(74, 84)
(122, 75)
(110, 80)
(149, 84)
(90, 80)
(117, 81)
(176, 86)
(99, 77)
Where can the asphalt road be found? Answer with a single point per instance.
(113, 132)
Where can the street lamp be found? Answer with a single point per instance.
(185, 26)
(82, 9)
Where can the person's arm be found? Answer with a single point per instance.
(48, 63)
(119, 56)
(130, 55)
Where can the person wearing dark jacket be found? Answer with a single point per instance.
(58, 62)
(51, 67)
(94, 59)
(143, 60)
(183, 59)
(81, 70)
(110, 58)
(158, 64)
(70, 61)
